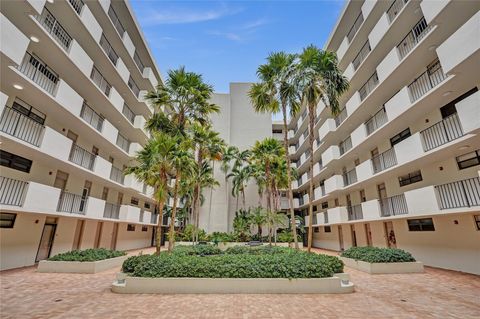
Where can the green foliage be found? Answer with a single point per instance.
(189, 232)
(258, 250)
(286, 236)
(241, 225)
(131, 262)
(87, 255)
(378, 255)
(200, 250)
(221, 237)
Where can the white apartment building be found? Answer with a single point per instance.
(399, 166)
(73, 74)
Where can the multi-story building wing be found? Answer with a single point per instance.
(73, 76)
(399, 166)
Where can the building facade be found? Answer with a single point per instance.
(73, 74)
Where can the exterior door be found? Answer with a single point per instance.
(113, 243)
(46, 242)
(98, 234)
(340, 237)
(72, 136)
(354, 236)
(61, 180)
(85, 193)
(77, 239)
(368, 233)
(390, 235)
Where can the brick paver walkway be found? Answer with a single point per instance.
(433, 294)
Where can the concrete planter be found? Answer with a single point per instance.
(80, 267)
(383, 268)
(338, 284)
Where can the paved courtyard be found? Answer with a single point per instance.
(433, 294)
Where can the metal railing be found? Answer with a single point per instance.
(393, 206)
(21, 126)
(116, 174)
(376, 121)
(350, 177)
(138, 62)
(356, 25)
(12, 191)
(55, 29)
(128, 113)
(417, 33)
(107, 48)
(72, 203)
(427, 81)
(111, 211)
(355, 212)
(91, 117)
(116, 21)
(133, 86)
(384, 160)
(77, 5)
(153, 218)
(395, 8)
(442, 132)
(362, 54)
(325, 217)
(123, 143)
(368, 87)
(341, 117)
(345, 145)
(100, 81)
(141, 216)
(39, 72)
(82, 157)
(464, 193)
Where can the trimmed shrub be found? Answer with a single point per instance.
(131, 262)
(201, 250)
(88, 255)
(378, 255)
(258, 250)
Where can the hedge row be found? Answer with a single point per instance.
(88, 255)
(378, 255)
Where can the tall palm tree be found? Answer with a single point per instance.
(319, 80)
(258, 218)
(240, 175)
(276, 93)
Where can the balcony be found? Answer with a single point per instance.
(345, 146)
(134, 87)
(463, 193)
(427, 81)
(25, 128)
(37, 71)
(138, 62)
(100, 81)
(384, 160)
(355, 212)
(154, 218)
(111, 211)
(128, 113)
(82, 157)
(91, 117)
(395, 8)
(377, 120)
(442, 132)
(123, 143)
(116, 21)
(368, 87)
(55, 29)
(356, 25)
(334, 183)
(116, 175)
(12, 191)
(417, 33)
(341, 117)
(107, 48)
(337, 215)
(72, 203)
(393, 206)
(327, 127)
(362, 54)
(319, 192)
(350, 177)
(77, 5)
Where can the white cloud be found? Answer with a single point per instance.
(254, 24)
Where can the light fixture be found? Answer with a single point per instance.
(50, 1)
(18, 87)
(34, 39)
(447, 93)
(464, 147)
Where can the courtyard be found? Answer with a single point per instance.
(437, 293)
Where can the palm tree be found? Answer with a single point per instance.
(272, 220)
(240, 175)
(258, 218)
(273, 94)
(319, 80)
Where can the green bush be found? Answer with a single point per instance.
(131, 262)
(188, 233)
(87, 255)
(378, 255)
(201, 250)
(286, 236)
(221, 237)
(258, 250)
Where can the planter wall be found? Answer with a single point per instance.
(81, 267)
(383, 268)
(333, 285)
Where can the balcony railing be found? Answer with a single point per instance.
(72, 203)
(384, 160)
(368, 86)
(356, 25)
(77, 5)
(427, 81)
(116, 175)
(442, 132)
(345, 145)
(128, 113)
(107, 48)
(413, 37)
(133, 86)
(376, 121)
(91, 117)
(141, 217)
(51, 25)
(350, 177)
(39, 72)
(325, 217)
(341, 117)
(395, 8)
(364, 51)
(355, 212)
(464, 193)
(153, 219)
(393, 206)
(100, 81)
(116, 22)
(12, 191)
(111, 211)
(123, 143)
(138, 62)
(82, 157)
(21, 126)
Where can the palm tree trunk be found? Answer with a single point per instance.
(243, 199)
(211, 197)
(311, 120)
(267, 185)
(293, 223)
(171, 235)
(158, 238)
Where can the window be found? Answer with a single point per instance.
(316, 229)
(477, 221)
(130, 227)
(15, 162)
(7, 220)
(424, 224)
(144, 228)
(276, 131)
(134, 201)
(146, 205)
(325, 205)
(400, 137)
(363, 198)
(468, 160)
(410, 178)
(327, 229)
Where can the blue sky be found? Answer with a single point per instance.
(227, 40)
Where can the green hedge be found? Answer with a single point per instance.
(88, 255)
(258, 250)
(202, 250)
(378, 255)
(131, 262)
